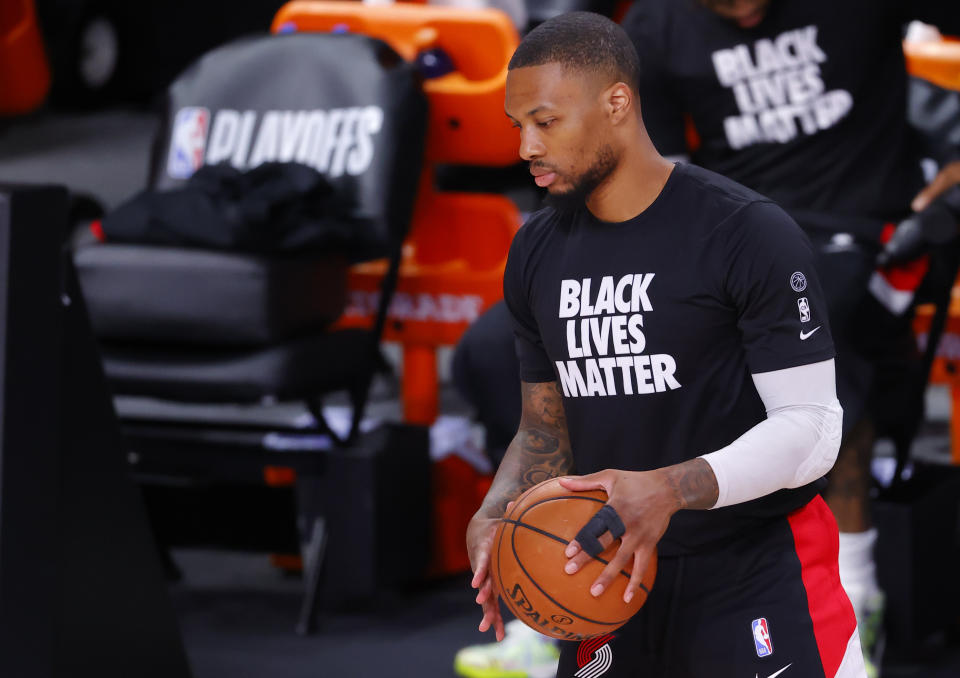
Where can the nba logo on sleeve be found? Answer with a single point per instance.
(188, 141)
(761, 637)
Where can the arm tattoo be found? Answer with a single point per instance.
(539, 451)
(693, 483)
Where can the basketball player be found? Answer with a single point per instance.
(674, 350)
(845, 169)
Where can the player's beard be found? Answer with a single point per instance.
(575, 196)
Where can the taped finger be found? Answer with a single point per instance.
(605, 520)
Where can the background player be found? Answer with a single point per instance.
(805, 102)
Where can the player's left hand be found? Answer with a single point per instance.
(645, 503)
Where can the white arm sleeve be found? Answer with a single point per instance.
(797, 442)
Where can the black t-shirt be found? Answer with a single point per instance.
(653, 327)
(808, 107)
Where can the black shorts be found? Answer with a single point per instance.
(746, 610)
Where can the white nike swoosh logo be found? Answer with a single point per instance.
(803, 336)
(774, 675)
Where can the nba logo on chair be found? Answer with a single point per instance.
(761, 637)
(188, 141)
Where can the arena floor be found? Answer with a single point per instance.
(237, 616)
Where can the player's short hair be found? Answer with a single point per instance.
(583, 41)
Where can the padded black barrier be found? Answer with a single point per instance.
(344, 104)
(918, 549)
(374, 496)
(81, 587)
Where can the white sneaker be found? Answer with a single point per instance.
(523, 653)
(872, 637)
(869, 607)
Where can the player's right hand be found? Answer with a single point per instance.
(480, 534)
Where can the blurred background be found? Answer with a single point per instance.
(285, 466)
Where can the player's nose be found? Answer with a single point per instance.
(531, 147)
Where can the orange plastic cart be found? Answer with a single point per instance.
(453, 260)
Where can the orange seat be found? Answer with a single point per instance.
(453, 259)
(467, 124)
(939, 63)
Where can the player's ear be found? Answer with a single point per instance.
(619, 101)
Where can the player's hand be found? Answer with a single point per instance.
(480, 534)
(948, 176)
(645, 504)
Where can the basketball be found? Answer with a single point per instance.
(527, 565)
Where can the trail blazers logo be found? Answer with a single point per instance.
(594, 657)
(334, 142)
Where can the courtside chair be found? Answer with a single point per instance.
(190, 328)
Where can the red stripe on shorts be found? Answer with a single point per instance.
(817, 542)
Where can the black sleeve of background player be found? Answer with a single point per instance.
(769, 270)
(535, 365)
(944, 14)
(659, 105)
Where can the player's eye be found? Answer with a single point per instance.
(546, 123)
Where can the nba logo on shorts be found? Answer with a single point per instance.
(761, 636)
(188, 141)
